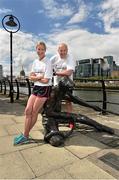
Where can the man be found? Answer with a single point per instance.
(52, 115)
(63, 65)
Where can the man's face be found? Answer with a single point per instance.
(62, 50)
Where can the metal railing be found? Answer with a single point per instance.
(27, 86)
(18, 87)
(105, 86)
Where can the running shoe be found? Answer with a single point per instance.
(21, 139)
(17, 137)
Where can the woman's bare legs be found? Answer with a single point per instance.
(31, 112)
(28, 114)
(39, 102)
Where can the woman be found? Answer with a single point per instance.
(41, 74)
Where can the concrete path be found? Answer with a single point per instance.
(87, 154)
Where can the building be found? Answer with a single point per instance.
(22, 73)
(115, 72)
(95, 67)
(1, 72)
(22, 78)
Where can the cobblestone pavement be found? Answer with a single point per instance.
(86, 154)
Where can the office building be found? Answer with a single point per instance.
(93, 67)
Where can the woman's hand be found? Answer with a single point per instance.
(35, 77)
(40, 76)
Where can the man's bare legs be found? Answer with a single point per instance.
(69, 107)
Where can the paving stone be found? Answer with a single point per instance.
(103, 137)
(114, 144)
(19, 119)
(3, 131)
(79, 158)
(111, 159)
(6, 120)
(13, 166)
(6, 145)
(20, 127)
(46, 158)
(116, 131)
(109, 120)
(96, 159)
(37, 137)
(84, 169)
(12, 130)
(82, 146)
(56, 174)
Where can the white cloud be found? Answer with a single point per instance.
(5, 11)
(54, 9)
(110, 15)
(23, 51)
(81, 15)
(82, 44)
(57, 25)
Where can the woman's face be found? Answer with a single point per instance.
(41, 51)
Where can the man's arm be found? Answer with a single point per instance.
(64, 73)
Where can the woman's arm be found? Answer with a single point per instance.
(44, 80)
(39, 78)
(34, 77)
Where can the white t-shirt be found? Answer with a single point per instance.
(61, 64)
(43, 67)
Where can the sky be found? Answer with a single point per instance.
(90, 28)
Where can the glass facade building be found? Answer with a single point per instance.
(93, 67)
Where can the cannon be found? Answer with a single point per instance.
(52, 116)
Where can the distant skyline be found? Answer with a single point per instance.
(90, 28)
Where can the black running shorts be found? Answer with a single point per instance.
(42, 91)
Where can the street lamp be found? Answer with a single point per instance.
(12, 25)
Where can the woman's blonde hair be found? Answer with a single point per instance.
(41, 43)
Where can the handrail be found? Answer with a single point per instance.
(28, 87)
(17, 97)
(9, 87)
(104, 90)
(4, 87)
(104, 104)
(0, 86)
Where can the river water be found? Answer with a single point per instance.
(88, 95)
(112, 96)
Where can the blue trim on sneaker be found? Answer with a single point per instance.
(17, 137)
(21, 139)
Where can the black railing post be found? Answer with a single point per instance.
(4, 87)
(104, 105)
(9, 87)
(0, 86)
(29, 87)
(17, 96)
